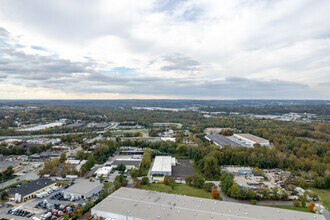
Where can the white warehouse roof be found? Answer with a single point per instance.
(162, 164)
(129, 203)
(103, 171)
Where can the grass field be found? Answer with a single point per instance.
(290, 207)
(324, 195)
(181, 189)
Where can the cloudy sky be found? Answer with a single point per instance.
(79, 49)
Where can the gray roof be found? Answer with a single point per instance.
(30, 187)
(222, 140)
(102, 125)
(75, 125)
(83, 187)
(127, 162)
(253, 138)
(143, 204)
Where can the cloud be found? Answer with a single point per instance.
(179, 62)
(186, 49)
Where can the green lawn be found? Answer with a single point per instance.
(181, 189)
(324, 195)
(145, 131)
(290, 207)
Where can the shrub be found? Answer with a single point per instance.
(253, 202)
(311, 207)
(209, 186)
(215, 193)
(145, 181)
(296, 203)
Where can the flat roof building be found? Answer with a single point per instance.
(84, 189)
(221, 140)
(130, 203)
(103, 171)
(129, 163)
(251, 140)
(30, 189)
(237, 171)
(162, 166)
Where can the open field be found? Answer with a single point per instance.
(324, 196)
(290, 207)
(181, 189)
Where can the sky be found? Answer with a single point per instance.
(165, 49)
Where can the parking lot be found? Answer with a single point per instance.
(30, 205)
(182, 169)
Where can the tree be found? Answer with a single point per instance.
(64, 171)
(215, 194)
(62, 157)
(319, 182)
(153, 133)
(171, 182)
(233, 191)
(65, 217)
(226, 183)
(198, 181)
(275, 193)
(145, 180)
(4, 195)
(296, 203)
(311, 207)
(54, 171)
(211, 168)
(303, 200)
(121, 167)
(8, 172)
(189, 180)
(209, 186)
(265, 193)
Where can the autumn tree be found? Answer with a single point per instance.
(215, 194)
(311, 207)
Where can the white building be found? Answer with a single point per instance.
(84, 189)
(103, 171)
(138, 204)
(251, 140)
(162, 166)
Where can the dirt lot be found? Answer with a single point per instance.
(182, 169)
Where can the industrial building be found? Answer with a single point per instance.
(221, 140)
(29, 190)
(237, 171)
(250, 140)
(163, 165)
(103, 171)
(84, 189)
(130, 203)
(129, 163)
(130, 151)
(215, 130)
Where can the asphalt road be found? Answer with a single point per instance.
(31, 175)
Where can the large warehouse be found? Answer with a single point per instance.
(221, 140)
(84, 189)
(163, 165)
(130, 203)
(251, 140)
(29, 190)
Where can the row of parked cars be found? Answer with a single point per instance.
(19, 212)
